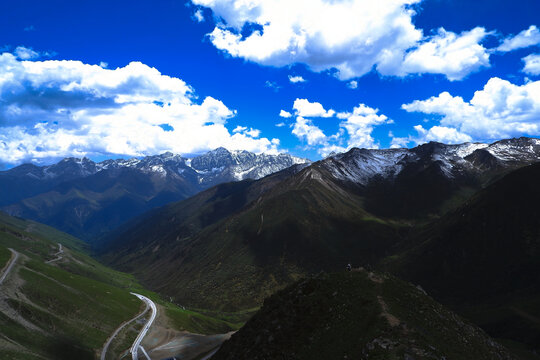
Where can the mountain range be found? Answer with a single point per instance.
(459, 221)
(231, 246)
(87, 199)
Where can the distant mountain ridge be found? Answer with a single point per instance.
(238, 164)
(86, 198)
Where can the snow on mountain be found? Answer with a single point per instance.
(215, 166)
(362, 165)
(357, 165)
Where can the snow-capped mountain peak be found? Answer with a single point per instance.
(216, 166)
(362, 165)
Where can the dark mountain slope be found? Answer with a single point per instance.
(357, 315)
(234, 244)
(484, 258)
(28, 180)
(98, 203)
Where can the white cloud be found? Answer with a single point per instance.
(305, 108)
(360, 125)
(353, 84)
(524, 39)
(296, 79)
(305, 130)
(399, 142)
(239, 129)
(254, 133)
(532, 64)
(25, 53)
(352, 37)
(281, 124)
(285, 114)
(103, 64)
(198, 15)
(441, 134)
(446, 53)
(52, 109)
(500, 110)
(355, 129)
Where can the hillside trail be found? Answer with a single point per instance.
(59, 255)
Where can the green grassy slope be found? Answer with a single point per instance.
(5, 255)
(68, 308)
(357, 315)
(41, 231)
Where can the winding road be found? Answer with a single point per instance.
(12, 262)
(137, 343)
(60, 251)
(111, 338)
(211, 353)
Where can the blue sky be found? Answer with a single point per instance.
(214, 73)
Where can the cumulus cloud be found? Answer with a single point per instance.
(52, 109)
(524, 39)
(348, 38)
(353, 84)
(311, 109)
(304, 129)
(285, 114)
(532, 64)
(360, 125)
(296, 79)
(355, 127)
(500, 110)
(448, 53)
